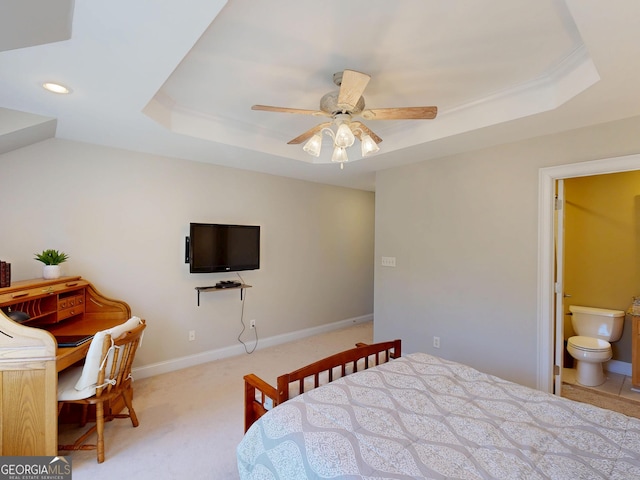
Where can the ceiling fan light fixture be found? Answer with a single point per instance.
(344, 136)
(368, 145)
(313, 145)
(339, 155)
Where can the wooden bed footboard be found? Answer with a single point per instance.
(259, 396)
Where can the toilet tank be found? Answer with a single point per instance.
(597, 322)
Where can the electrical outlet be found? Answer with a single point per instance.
(192, 335)
(252, 324)
(436, 342)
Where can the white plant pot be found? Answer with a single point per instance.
(50, 272)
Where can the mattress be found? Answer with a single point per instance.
(423, 417)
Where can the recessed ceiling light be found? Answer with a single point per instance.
(56, 87)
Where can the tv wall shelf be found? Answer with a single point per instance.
(242, 286)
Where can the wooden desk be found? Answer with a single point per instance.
(65, 357)
(28, 389)
(30, 359)
(65, 306)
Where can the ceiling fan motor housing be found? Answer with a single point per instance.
(329, 104)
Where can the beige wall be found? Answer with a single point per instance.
(123, 217)
(464, 230)
(602, 221)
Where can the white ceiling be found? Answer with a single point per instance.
(179, 78)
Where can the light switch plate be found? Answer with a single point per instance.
(388, 261)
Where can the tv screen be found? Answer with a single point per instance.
(223, 248)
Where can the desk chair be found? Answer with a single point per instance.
(105, 376)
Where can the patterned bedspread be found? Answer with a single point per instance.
(420, 416)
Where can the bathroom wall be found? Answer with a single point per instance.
(602, 247)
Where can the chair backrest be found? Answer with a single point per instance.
(87, 381)
(117, 359)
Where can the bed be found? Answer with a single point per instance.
(420, 416)
(260, 397)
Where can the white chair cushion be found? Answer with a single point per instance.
(86, 381)
(67, 380)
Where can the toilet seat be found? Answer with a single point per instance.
(588, 344)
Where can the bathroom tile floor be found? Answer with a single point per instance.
(614, 392)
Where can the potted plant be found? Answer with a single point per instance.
(52, 260)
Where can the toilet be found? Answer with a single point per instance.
(594, 328)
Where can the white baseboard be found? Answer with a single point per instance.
(616, 366)
(211, 355)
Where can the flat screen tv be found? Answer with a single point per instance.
(223, 248)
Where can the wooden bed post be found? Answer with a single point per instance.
(249, 396)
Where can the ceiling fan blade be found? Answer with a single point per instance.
(309, 133)
(359, 125)
(351, 88)
(403, 113)
(267, 108)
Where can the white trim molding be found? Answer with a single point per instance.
(546, 188)
(231, 351)
(616, 366)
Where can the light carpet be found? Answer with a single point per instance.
(191, 420)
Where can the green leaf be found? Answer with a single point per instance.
(51, 257)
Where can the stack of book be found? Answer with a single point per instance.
(5, 274)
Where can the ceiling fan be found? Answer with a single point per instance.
(341, 106)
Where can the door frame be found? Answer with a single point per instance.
(546, 250)
(558, 286)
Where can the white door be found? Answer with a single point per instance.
(559, 288)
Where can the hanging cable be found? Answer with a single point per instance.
(244, 327)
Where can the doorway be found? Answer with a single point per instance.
(550, 291)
